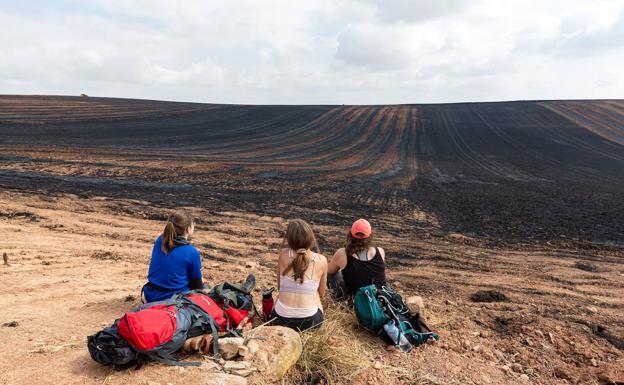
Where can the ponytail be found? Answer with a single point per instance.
(168, 236)
(299, 237)
(299, 265)
(177, 223)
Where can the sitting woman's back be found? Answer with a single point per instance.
(302, 277)
(175, 266)
(360, 263)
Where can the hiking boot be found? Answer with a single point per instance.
(249, 284)
(199, 344)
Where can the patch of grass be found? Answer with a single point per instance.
(336, 352)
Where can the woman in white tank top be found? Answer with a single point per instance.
(301, 279)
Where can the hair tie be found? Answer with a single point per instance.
(301, 251)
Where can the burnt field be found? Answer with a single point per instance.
(518, 203)
(511, 172)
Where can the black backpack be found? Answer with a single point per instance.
(108, 348)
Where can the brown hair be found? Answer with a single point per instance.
(356, 245)
(177, 223)
(299, 237)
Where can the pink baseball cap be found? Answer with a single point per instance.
(361, 229)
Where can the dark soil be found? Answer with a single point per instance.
(488, 296)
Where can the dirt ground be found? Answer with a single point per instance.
(523, 199)
(76, 264)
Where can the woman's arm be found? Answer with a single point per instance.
(322, 289)
(280, 258)
(338, 262)
(195, 272)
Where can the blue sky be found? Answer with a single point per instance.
(316, 52)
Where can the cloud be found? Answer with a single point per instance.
(324, 51)
(415, 10)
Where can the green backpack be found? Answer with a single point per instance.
(367, 309)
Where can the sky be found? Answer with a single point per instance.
(314, 51)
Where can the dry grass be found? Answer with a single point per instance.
(336, 352)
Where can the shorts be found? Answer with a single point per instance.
(299, 324)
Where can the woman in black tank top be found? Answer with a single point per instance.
(358, 264)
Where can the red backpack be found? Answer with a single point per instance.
(149, 328)
(226, 317)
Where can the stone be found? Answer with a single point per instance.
(228, 347)
(551, 338)
(236, 365)
(214, 265)
(592, 309)
(377, 365)
(593, 362)
(516, 367)
(243, 351)
(243, 372)
(476, 348)
(449, 302)
(277, 353)
(415, 304)
(524, 377)
(506, 368)
(252, 265)
(221, 379)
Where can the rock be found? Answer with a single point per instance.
(524, 377)
(12, 324)
(153, 383)
(5, 257)
(592, 309)
(243, 351)
(236, 365)
(415, 304)
(278, 353)
(214, 265)
(516, 367)
(221, 379)
(506, 368)
(498, 354)
(449, 302)
(551, 338)
(476, 348)
(377, 365)
(252, 265)
(593, 362)
(484, 334)
(539, 333)
(243, 372)
(228, 347)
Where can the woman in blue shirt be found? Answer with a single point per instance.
(175, 266)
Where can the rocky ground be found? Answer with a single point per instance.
(504, 217)
(75, 264)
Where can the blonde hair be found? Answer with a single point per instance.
(299, 237)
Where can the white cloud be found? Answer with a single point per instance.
(324, 51)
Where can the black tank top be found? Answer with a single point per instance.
(359, 273)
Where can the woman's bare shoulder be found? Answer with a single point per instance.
(341, 251)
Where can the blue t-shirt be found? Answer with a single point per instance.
(172, 271)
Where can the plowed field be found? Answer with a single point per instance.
(526, 198)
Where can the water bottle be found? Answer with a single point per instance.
(267, 303)
(393, 332)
